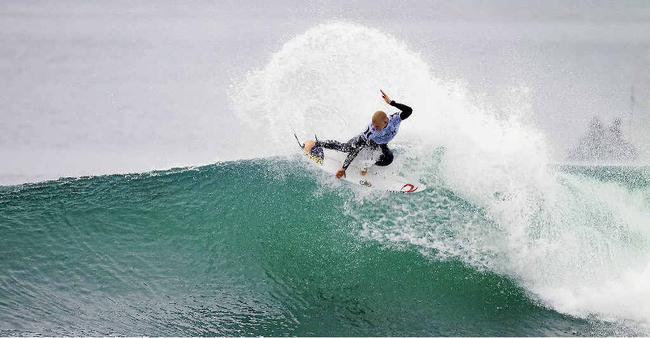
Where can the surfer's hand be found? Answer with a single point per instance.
(340, 173)
(385, 97)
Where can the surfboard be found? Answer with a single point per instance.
(380, 178)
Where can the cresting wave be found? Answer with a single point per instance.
(579, 245)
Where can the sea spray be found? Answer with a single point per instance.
(506, 210)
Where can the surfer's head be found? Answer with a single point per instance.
(379, 120)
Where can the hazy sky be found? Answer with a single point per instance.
(93, 87)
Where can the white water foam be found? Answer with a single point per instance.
(580, 246)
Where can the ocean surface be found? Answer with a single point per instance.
(150, 183)
(262, 247)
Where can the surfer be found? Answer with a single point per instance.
(379, 132)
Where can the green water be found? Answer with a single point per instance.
(242, 248)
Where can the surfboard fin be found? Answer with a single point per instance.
(301, 145)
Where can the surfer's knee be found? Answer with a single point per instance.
(385, 159)
(389, 157)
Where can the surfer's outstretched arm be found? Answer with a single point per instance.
(406, 111)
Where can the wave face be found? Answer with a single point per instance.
(578, 245)
(264, 248)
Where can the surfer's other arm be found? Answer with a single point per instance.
(351, 155)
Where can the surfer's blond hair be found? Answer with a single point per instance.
(379, 116)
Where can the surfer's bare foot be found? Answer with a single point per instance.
(364, 172)
(309, 145)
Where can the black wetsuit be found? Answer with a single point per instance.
(354, 145)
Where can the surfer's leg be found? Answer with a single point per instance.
(336, 145)
(386, 157)
(352, 147)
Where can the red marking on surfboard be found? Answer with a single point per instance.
(409, 188)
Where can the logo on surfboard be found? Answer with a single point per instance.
(408, 187)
